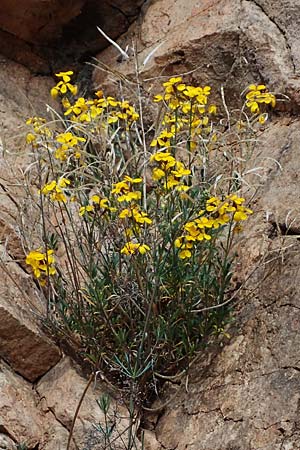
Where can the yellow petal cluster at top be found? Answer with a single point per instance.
(130, 248)
(188, 112)
(124, 189)
(86, 111)
(136, 215)
(178, 94)
(257, 95)
(96, 202)
(39, 128)
(63, 86)
(55, 189)
(217, 213)
(69, 145)
(169, 170)
(41, 263)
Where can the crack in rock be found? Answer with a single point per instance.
(280, 29)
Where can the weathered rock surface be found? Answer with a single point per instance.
(6, 443)
(28, 351)
(247, 395)
(22, 96)
(244, 396)
(61, 390)
(36, 33)
(229, 42)
(20, 417)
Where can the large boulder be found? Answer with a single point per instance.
(21, 420)
(52, 33)
(61, 391)
(228, 42)
(246, 395)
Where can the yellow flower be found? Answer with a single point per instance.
(169, 85)
(112, 101)
(163, 140)
(102, 202)
(157, 174)
(179, 242)
(41, 263)
(30, 138)
(112, 119)
(184, 254)
(54, 189)
(161, 156)
(49, 187)
(131, 247)
(79, 106)
(143, 248)
(141, 217)
(129, 196)
(258, 94)
(262, 119)
(63, 182)
(170, 182)
(180, 170)
(240, 215)
(58, 196)
(120, 187)
(84, 209)
(132, 180)
(158, 98)
(65, 75)
(182, 188)
(69, 139)
(212, 109)
(63, 86)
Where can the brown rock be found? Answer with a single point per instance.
(227, 42)
(22, 344)
(61, 390)
(43, 35)
(6, 443)
(20, 417)
(247, 397)
(35, 22)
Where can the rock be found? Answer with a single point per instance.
(21, 418)
(246, 395)
(38, 34)
(150, 441)
(20, 303)
(35, 22)
(228, 42)
(61, 390)
(19, 306)
(6, 443)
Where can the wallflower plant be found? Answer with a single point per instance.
(147, 232)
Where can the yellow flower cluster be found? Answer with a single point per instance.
(38, 128)
(188, 111)
(217, 213)
(134, 213)
(178, 95)
(258, 94)
(169, 170)
(86, 111)
(124, 189)
(64, 85)
(134, 219)
(96, 202)
(41, 263)
(69, 145)
(55, 189)
(131, 248)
